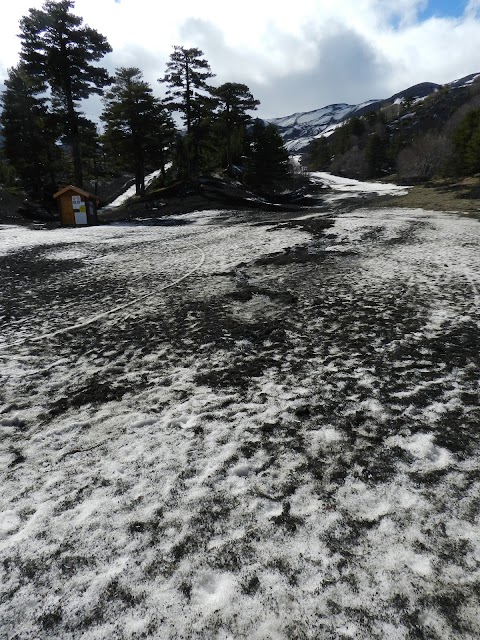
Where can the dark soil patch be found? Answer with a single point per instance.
(94, 392)
(246, 293)
(315, 226)
(297, 255)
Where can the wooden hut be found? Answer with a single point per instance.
(76, 206)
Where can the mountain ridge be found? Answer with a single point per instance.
(300, 128)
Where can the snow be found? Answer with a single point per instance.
(348, 187)
(297, 144)
(9, 522)
(472, 80)
(202, 465)
(329, 130)
(423, 449)
(130, 192)
(299, 129)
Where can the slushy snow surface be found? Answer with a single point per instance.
(284, 444)
(350, 188)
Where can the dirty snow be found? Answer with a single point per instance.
(284, 444)
(348, 187)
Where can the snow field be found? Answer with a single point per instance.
(216, 465)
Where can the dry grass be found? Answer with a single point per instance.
(440, 195)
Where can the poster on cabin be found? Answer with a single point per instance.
(79, 210)
(80, 217)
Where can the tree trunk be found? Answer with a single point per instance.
(187, 97)
(229, 143)
(139, 169)
(95, 172)
(162, 167)
(73, 130)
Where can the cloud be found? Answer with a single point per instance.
(347, 69)
(281, 53)
(150, 63)
(473, 9)
(293, 56)
(399, 13)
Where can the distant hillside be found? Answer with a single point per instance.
(420, 133)
(299, 129)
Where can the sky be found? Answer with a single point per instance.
(294, 56)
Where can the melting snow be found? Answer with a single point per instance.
(347, 187)
(212, 460)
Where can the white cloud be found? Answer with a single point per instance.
(473, 8)
(297, 56)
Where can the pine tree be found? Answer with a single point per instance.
(233, 102)
(319, 154)
(92, 152)
(375, 155)
(8, 176)
(59, 50)
(189, 94)
(186, 77)
(466, 142)
(138, 128)
(267, 157)
(29, 133)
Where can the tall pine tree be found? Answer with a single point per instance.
(466, 142)
(189, 94)
(138, 128)
(267, 156)
(233, 100)
(29, 133)
(186, 77)
(59, 50)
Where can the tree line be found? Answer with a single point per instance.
(48, 140)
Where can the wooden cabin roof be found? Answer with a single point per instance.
(76, 190)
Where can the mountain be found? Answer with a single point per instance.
(299, 129)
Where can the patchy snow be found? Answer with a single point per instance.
(350, 188)
(427, 455)
(299, 129)
(131, 191)
(329, 130)
(284, 444)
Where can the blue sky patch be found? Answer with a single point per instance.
(443, 9)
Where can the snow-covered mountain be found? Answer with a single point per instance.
(299, 129)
